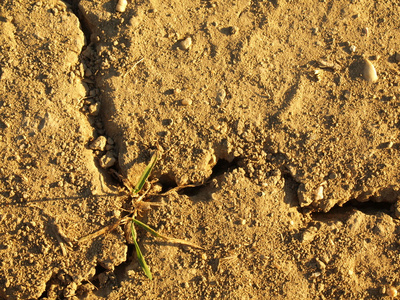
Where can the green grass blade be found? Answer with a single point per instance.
(167, 238)
(139, 254)
(146, 173)
(147, 228)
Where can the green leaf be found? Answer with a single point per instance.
(167, 238)
(139, 254)
(146, 173)
(147, 228)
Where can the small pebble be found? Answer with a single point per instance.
(397, 56)
(319, 193)
(397, 209)
(320, 264)
(353, 48)
(186, 102)
(369, 72)
(233, 30)
(185, 44)
(391, 291)
(88, 72)
(107, 160)
(221, 96)
(204, 256)
(94, 109)
(70, 290)
(94, 38)
(309, 234)
(110, 141)
(333, 175)
(121, 5)
(99, 143)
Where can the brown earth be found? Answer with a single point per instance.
(264, 108)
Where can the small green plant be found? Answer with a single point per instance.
(130, 221)
(133, 221)
(136, 190)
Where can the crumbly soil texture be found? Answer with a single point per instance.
(276, 123)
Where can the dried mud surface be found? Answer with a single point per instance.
(263, 106)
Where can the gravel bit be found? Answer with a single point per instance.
(221, 96)
(185, 44)
(107, 160)
(99, 143)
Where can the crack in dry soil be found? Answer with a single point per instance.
(238, 115)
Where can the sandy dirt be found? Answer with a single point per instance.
(277, 126)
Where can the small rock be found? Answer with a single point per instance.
(233, 30)
(94, 109)
(107, 160)
(320, 264)
(369, 72)
(110, 141)
(88, 72)
(121, 5)
(221, 96)
(397, 56)
(99, 143)
(391, 291)
(309, 234)
(397, 209)
(319, 193)
(185, 44)
(355, 220)
(70, 290)
(186, 102)
(352, 48)
(103, 278)
(332, 175)
(346, 94)
(94, 38)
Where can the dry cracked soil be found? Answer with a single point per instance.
(277, 128)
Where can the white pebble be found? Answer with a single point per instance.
(369, 72)
(319, 192)
(185, 44)
(121, 5)
(353, 48)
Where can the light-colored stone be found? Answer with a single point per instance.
(99, 143)
(185, 44)
(369, 71)
(107, 160)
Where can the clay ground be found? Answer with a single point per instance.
(279, 149)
